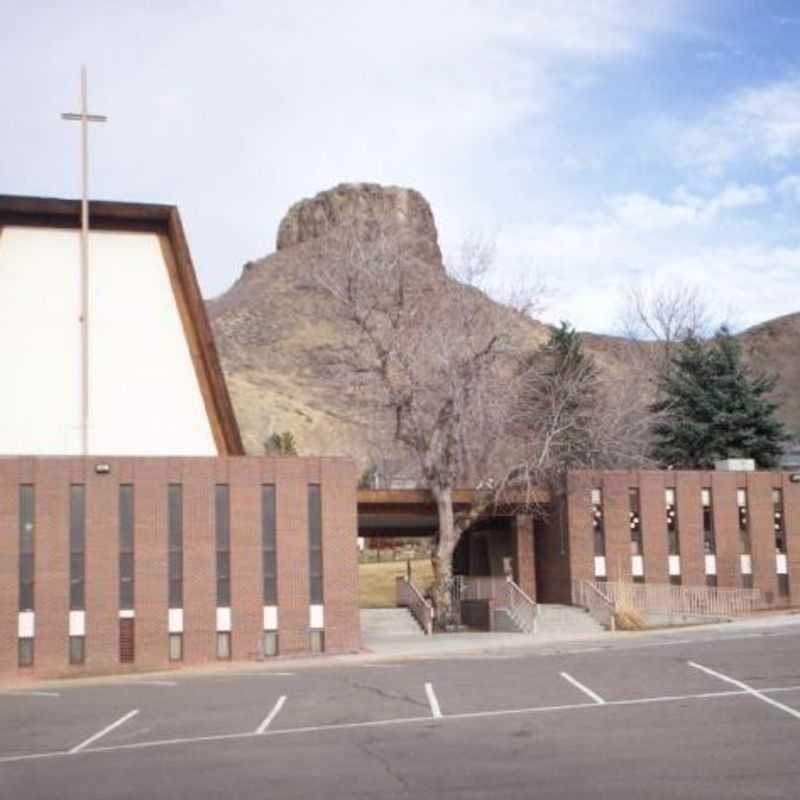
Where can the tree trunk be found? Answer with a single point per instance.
(442, 559)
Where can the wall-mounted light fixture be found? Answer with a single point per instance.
(102, 469)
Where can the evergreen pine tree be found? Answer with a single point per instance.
(570, 386)
(713, 408)
(281, 444)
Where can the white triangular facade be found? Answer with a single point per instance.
(144, 393)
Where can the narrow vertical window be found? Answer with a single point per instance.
(176, 647)
(598, 523)
(673, 536)
(25, 651)
(223, 540)
(224, 645)
(126, 562)
(779, 526)
(635, 522)
(175, 535)
(269, 545)
(315, 544)
(744, 521)
(77, 650)
(744, 538)
(672, 522)
(127, 646)
(77, 544)
(26, 552)
(778, 521)
(709, 536)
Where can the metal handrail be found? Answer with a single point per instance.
(601, 606)
(693, 600)
(409, 595)
(521, 607)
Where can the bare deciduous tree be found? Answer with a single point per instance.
(661, 315)
(437, 358)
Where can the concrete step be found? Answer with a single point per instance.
(504, 622)
(560, 620)
(388, 623)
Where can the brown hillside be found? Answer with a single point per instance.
(279, 348)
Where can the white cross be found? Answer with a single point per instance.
(84, 117)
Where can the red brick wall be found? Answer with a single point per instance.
(579, 523)
(339, 554)
(617, 521)
(292, 536)
(198, 476)
(791, 508)
(726, 528)
(654, 526)
(688, 486)
(150, 479)
(523, 556)
(51, 479)
(551, 544)
(247, 587)
(762, 533)
(690, 528)
(101, 565)
(199, 560)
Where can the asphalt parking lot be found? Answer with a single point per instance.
(691, 717)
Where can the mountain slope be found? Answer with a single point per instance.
(279, 347)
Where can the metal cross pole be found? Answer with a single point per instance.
(84, 117)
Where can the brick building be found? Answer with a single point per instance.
(134, 533)
(715, 529)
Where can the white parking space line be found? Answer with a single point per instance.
(152, 683)
(747, 688)
(253, 675)
(723, 695)
(585, 689)
(103, 732)
(29, 694)
(436, 711)
(271, 716)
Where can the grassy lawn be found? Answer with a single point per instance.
(377, 581)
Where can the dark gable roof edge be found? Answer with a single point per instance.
(156, 218)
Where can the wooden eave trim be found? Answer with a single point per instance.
(210, 371)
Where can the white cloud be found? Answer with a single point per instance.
(588, 260)
(761, 124)
(235, 111)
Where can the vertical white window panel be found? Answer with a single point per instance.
(781, 566)
(270, 618)
(26, 624)
(711, 565)
(175, 620)
(223, 620)
(637, 566)
(674, 565)
(746, 564)
(77, 623)
(316, 617)
(600, 566)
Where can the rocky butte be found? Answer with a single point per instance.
(279, 349)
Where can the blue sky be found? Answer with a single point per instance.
(598, 144)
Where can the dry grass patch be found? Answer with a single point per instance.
(377, 580)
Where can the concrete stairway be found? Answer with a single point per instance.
(565, 621)
(384, 624)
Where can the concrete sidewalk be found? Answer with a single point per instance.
(376, 649)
